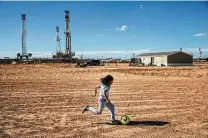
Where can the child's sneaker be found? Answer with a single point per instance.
(115, 122)
(85, 108)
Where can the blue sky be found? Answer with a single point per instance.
(115, 29)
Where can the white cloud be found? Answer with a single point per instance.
(122, 28)
(142, 7)
(100, 35)
(200, 34)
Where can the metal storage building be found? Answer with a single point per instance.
(174, 58)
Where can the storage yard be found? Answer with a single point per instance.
(44, 100)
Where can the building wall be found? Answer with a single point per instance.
(158, 60)
(146, 60)
(180, 59)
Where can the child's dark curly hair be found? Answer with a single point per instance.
(106, 80)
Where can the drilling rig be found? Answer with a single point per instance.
(24, 54)
(58, 44)
(68, 53)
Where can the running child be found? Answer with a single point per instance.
(103, 100)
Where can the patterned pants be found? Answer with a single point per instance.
(101, 105)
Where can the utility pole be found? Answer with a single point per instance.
(200, 53)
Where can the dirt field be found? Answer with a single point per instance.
(43, 100)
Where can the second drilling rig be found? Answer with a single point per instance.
(68, 52)
(67, 55)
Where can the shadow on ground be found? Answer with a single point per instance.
(139, 123)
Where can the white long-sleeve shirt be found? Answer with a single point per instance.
(102, 89)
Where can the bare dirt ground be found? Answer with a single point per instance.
(44, 100)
